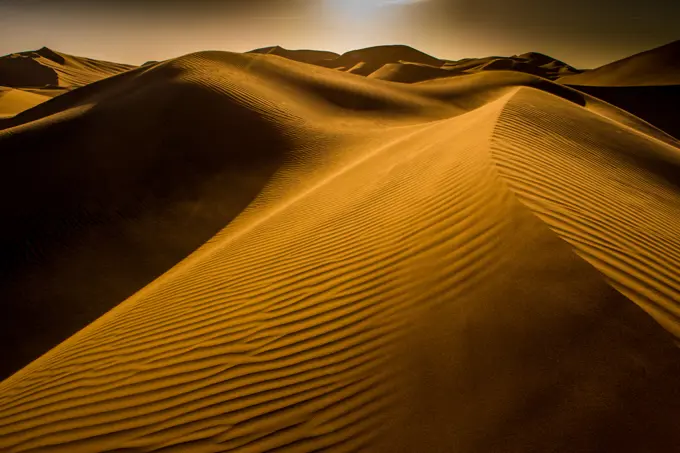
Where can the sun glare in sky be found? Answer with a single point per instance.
(136, 31)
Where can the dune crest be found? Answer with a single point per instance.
(658, 66)
(13, 101)
(45, 67)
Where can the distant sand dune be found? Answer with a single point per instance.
(47, 67)
(305, 56)
(399, 63)
(14, 101)
(48, 73)
(487, 262)
(656, 104)
(659, 66)
(409, 72)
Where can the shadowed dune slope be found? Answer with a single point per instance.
(399, 63)
(657, 105)
(530, 63)
(47, 67)
(659, 66)
(481, 263)
(105, 212)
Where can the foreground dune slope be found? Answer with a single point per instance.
(467, 264)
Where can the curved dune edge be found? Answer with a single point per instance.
(407, 291)
(610, 191)
(13, 101)
(46, 67)
(657, 66)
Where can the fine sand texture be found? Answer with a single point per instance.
(247, 253)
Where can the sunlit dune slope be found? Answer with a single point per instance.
(409, 72)
(658, 66)
(13, 101)
(373, 58)
(305, 56)
(46, 67)
(482, 263)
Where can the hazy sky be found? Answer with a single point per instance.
(584, 33)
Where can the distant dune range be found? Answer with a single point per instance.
(29, 78)
(13, 101)
(300, 251)
(45, 67)
(659, 66)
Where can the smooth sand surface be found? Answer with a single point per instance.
(13, 101)
(305, 56)
(487, 262)
(658, 66)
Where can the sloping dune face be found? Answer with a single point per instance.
(305, 56)
(14, 101)
(371, 59)
(483, 263)
(42, 74)
(46, 67)
(659, 66)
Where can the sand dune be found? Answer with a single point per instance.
(366, 61)
(530, 63)
(305, 56)
(46, 67)
(13, 101)
(487, 262)
(399, 63)
(659, 66)
(656, 104)
(48, 74)
(409, 72)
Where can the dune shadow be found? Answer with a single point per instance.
(99, 205)
(655, 104)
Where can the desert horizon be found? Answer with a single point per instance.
(291, 249)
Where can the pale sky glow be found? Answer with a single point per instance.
(584, 33)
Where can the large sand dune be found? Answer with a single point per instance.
(488, 262)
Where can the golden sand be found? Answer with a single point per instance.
(313, 260)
